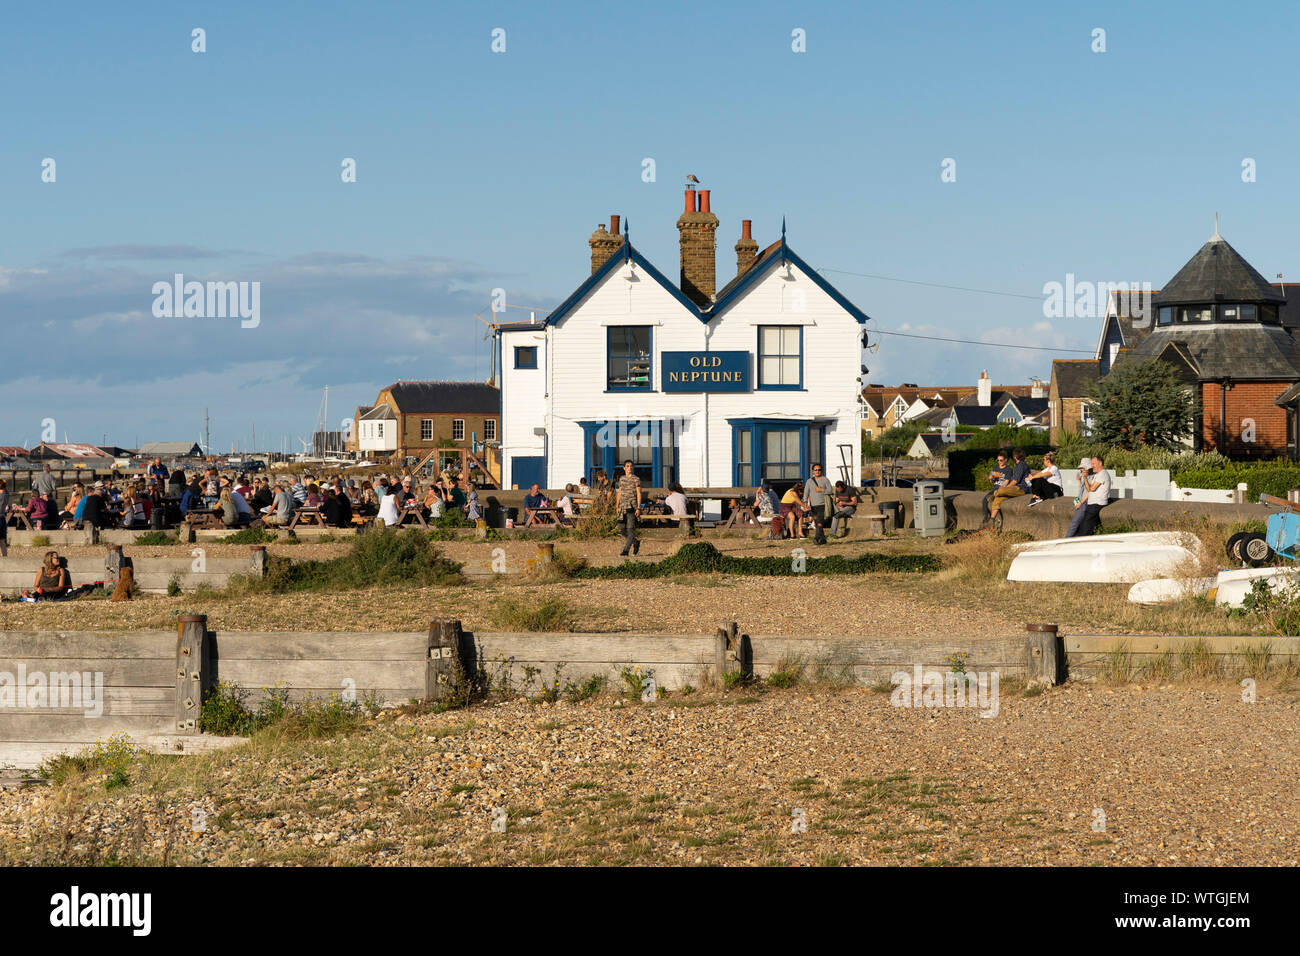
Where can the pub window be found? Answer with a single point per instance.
(1228, 313)
(458, 429)
(1166, 315)
(780, 356)
(781, 454)
(745, 456)
(525, 356)
(490, 429)
(1197, 314)
(629, 358)
(426, 429)
(634, 443)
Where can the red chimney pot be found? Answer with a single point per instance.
(704, 201)
(745, 225)
(613, 223)
(690, 201)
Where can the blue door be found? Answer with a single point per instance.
(525, 471)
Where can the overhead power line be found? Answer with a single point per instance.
(934, 285)
(992, 345)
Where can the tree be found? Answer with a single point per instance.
(1142, 403)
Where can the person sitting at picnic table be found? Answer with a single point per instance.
(68, 515)
(192, 496)
(766, 504)
(533, 501)
(1046, 483)
(404, 493)
(297, 490)
(242, 486)
(1017, 483)
(243, 509)
(434, 505)
(846, 505)
(229, 513)
(676, 500)
(262, 495)
(133, 515)
(792, 512)
(336, 509)
(38, 512)
(583, 489)
(280, 511)
(314, 497)
(388, 512)
(566, 504)
(177, 483)
(93, 512)
(51, 580)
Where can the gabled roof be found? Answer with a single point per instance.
(626, 252)
(13, 450)
(1075, 377)
(156, 449)
(1217, 273)
(1242, 351)
(1133, 314)
(474, 398)
(979, 416)
(876, 402)
(382, 412)
(769, 258)
(934, 441)
(1027, 407)
(68, 450)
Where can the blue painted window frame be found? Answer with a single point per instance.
(811, 431)
(525, 348)
(758, 360)
(650, 349)
(608, 455)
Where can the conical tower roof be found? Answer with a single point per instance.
(1217, 273)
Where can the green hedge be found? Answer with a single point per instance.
(701, 558)
(969, 467)
(1261, 477)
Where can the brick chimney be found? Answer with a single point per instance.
(698, 227)
(604, 243)
(746, 248)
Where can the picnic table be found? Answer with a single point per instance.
(742, 516)
(544, 517)
(307, 515)
(204, 518)
(409, 513)
(21, 519)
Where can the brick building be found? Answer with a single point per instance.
(1221, 324)
(429, 415)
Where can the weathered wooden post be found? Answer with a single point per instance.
(734, 653)
(1043, 655)
(193, 670)
(446, 665)
(545, 553)
(113, 561)
(257, 560)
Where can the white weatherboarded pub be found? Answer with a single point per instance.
(711, 388)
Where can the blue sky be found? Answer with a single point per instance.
(478, 170)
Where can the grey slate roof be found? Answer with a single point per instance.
(380, 413)
(1217, 273)
(1029, 407)
(979, 416)
(1075, 377)
(161, 449)
(1239, 350)
(473, 398)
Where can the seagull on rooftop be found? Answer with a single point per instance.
(692, 178)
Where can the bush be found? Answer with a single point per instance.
(155, 537)
(113, 756)
(250, 536)
(224, 712)
(701, 557)
(386, 557)
(533, 614)
(40, 541)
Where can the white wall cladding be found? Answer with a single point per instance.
(569, 385)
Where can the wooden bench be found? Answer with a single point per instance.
(685, 522)
(742, 516)
(405, 515)
(21, 519)
(204, 518)
(307, 516)
(544, 517)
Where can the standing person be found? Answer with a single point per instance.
(1095, 491)
(44, 482)
(472, 510)
(1017, 483)
(159, 471)
(176, 484)
(1046, 484)
(93, 512)
(818, 494)
(4, 518)
(628, 507)
(1000, 475)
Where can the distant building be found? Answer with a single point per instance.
(932, 444)
(1072, 385)
(430, 415)
(170, 450)
(71, 453)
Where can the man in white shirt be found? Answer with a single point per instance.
(1095, 486)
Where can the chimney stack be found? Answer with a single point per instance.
(985, 389)
(746, 248)
(698, 227)
(604, 243)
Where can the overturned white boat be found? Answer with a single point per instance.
(1105, 558)
(1168, 590)
(1231, 587)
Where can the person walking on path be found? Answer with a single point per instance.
(629, 507)
(818, 495)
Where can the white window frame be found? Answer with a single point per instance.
(426, 425)
(489, 429)
(458, 429)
